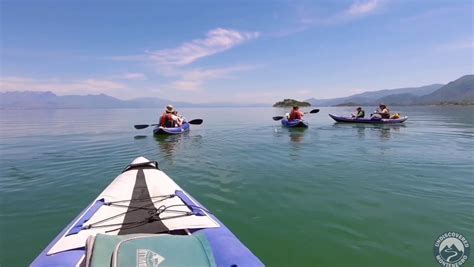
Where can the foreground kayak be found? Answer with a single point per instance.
(143, 218)
(367, 120)
(171, 130)
(294, 123)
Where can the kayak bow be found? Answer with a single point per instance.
(143, 216)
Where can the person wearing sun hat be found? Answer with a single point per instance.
(168, 119)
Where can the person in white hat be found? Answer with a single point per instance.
(168, 119)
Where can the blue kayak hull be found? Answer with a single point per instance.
(226, 248)
(294, 123)
(171, 130)
(367, 120)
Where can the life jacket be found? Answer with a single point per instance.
(295, 115)
(167, 120)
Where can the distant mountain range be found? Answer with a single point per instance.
(460, 91)
(49, 100)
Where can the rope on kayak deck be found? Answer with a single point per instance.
(154, 215)
(127, 200)
(152, 218)
(134, 209)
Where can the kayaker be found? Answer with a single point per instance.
(179, 118)
(168, 119)
(360, 113)
(382, 112)
(296, 114)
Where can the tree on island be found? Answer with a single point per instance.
(291, 103)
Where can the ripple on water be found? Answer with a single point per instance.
(365, 192)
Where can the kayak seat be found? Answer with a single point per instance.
(148, 250)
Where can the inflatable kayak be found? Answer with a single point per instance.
(293, 123)
(143, 218)
(367, 120)
(171, 130)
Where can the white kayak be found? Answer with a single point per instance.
(144, 201)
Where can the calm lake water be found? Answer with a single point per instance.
(331, 195)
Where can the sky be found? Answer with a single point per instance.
(232, 51)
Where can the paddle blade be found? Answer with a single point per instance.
(141, 126)
(314, 110)
(277, 118)
(196, 121)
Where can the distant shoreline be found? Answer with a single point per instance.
(244, 107)
(399, 105)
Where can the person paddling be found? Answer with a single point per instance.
(382, 112)
(179, 118)
(360, 113)
(295, 114)
(168, 119)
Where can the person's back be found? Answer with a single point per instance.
(168, 119)
(178, 118)
(295, 114)
(385, 113)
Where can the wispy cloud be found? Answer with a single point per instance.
(176, 63)
(88, 86)
(355, 11)
(216, 41)
(363, 7)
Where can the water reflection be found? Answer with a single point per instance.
(169, 144)
(296, 134)
(383, 131)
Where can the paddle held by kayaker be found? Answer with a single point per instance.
(179, 118)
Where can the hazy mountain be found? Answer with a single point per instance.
(28, 99)
(458, 91)
(33, 100)
(374, 97)
(49, 100)
(88, 101)
(417, 91)
(398, 100)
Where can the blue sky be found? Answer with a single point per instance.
(233, 51)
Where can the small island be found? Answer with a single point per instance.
(290, 103)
